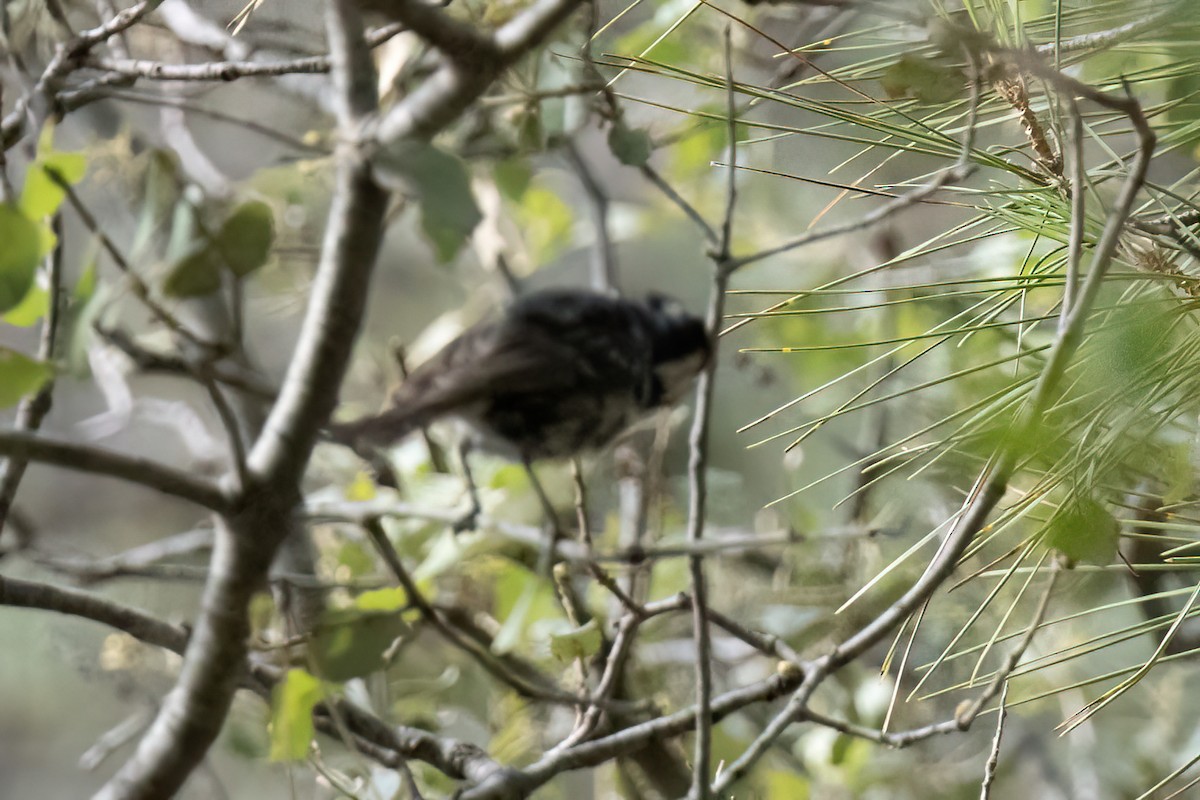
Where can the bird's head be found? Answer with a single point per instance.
(680, 346)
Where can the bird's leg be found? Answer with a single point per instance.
(546, 562)
(468, 521)
(378, 463)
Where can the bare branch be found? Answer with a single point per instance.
(229, 70)
(598, 751)
(458, 41)
(449, 91)
(989, 768)
(138, 624)
(485, 658)
(193, 713)
(604, 258)
(141, 471)
(39, 101)
(957, 172)
(698, 466)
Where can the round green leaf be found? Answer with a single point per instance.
(1084, 530)
(442, 186)
(631, 146)
(20, 375)
(18, 255)
(246, 237)
(195, 275)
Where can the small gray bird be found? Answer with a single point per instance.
(563, 371)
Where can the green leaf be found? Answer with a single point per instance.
(512, 176)
(926, 80)
(1083, 530)
(292, 705)
(697, 151)
(350, 643)
(195, 275)
(41, 195)
(442, 187)
(19, 255)
(20, 375)
(31, 309)
(355, 557)
(631, 146)
(513, 629)
(246, 237)
(531, 134)
(583, 642)
(547, 221)
(389, 600)
(786, 783)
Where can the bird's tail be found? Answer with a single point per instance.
(379, 430)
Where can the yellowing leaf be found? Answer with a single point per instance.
(392, 599)
(42, 195)
(292, 704)
(547, 222)
(31, 309)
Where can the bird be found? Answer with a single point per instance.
(561, 372)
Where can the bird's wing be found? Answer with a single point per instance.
(487, 363)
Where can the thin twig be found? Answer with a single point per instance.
(140, 471)
(1078, 209)
(485, 659)
(956, 173)
(698, 466)
(604, 258)
(675, 197)
(28, 594)
(993, 761)
(36, 104)
(230, 70)
(140, 288)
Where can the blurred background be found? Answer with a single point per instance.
(863, 382)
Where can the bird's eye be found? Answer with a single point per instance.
(662, 304)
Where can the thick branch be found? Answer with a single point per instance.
(599, 751)
(193, 713)
(449, 91)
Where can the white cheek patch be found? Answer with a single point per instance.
(677, 376)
